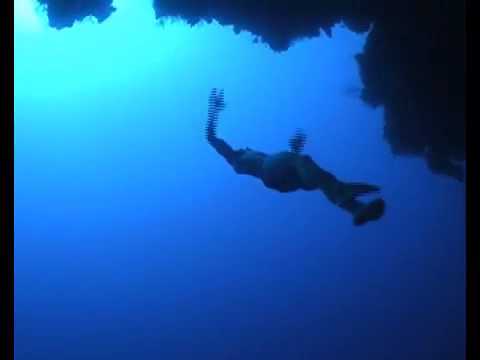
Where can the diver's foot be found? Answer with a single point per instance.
(370, 212)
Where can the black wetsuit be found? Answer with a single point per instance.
(288, 171)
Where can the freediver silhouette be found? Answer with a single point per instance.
(288, 171)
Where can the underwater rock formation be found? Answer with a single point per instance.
(413, 63)
(63, 13)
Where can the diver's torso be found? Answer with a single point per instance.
(280, 172)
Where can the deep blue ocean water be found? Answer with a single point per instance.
(135, 240)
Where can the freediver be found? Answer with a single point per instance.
(288, 171)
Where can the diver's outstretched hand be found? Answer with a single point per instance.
(216, 103)
(297, 141)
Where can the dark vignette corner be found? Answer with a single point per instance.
(472, 314)
(6, 173)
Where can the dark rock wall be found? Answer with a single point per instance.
(413, 63)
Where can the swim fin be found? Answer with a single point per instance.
(350, 191)
(372, 211)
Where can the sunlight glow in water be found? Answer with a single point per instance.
(28, 16)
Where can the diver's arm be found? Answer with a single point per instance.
(216, 104)
(222, 148)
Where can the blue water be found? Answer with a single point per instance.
(135, 240)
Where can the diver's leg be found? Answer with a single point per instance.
(344, 196)
(341, 194)
(313, 177)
